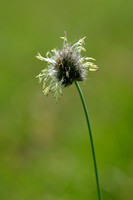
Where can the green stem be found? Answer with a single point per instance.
(91, 138)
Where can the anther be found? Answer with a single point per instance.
(67, 74)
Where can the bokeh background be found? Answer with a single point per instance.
(44, 147)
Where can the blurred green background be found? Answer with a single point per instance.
(44, 147)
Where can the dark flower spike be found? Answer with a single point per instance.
(64, 67)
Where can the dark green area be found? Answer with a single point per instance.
(44, 147)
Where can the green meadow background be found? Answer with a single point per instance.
(44, 147)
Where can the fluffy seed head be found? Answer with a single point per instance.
(64, 67)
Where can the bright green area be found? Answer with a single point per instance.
(44, 147)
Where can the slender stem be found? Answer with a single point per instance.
(91, 138)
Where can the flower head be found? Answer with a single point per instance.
(64, 67)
